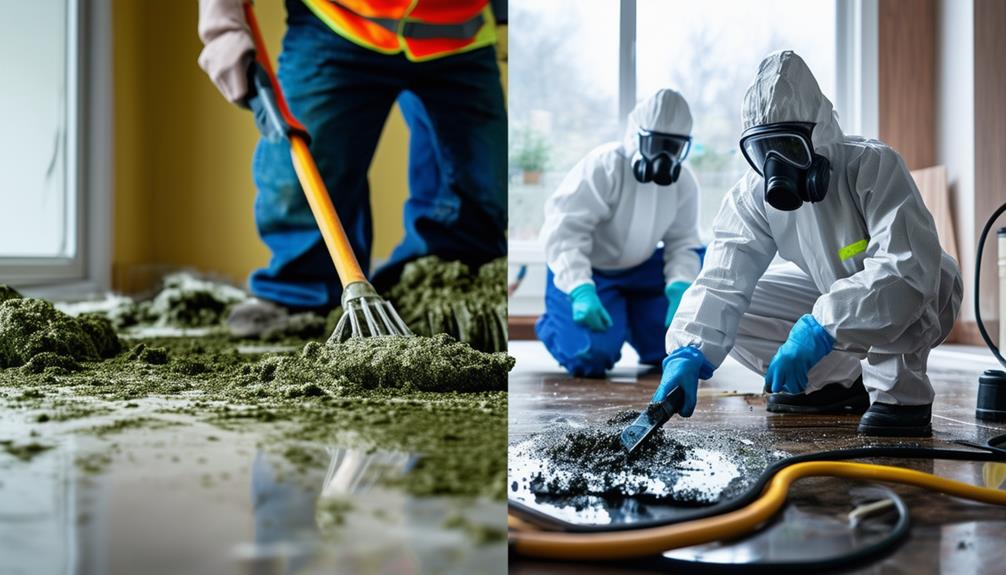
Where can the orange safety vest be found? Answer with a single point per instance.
(422, 29)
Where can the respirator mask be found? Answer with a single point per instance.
(659, 157)
(783, 155)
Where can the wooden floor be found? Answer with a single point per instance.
(948, 535)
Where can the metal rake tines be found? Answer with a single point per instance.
(369, 317)
(366, 314)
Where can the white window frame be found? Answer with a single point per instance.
(90, 151)
(857, 85)
(856, 100)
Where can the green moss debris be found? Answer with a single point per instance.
(435, 397)
(30, 327)
(437, 296)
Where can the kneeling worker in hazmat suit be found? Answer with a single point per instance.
(608, 282)
(864, 291)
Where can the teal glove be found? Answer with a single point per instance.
(806, 345)
(683, 368)
(588, 309)
(674, 291)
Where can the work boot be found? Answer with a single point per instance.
(833, 398)
(897, 420)
(253, 317)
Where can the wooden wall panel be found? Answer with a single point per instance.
(906, 74)
(990, 136)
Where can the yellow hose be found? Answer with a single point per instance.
(652, 541)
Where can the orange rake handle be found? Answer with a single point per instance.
(324, 212)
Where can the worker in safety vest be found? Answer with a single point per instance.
(344, 63)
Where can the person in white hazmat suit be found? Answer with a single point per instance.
(609, 280)
(861, 290)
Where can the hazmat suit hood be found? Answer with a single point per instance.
(785, 90)
(666, 112)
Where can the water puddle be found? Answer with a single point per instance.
(228, 502)
(800, 535)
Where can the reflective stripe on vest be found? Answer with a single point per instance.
(428, 31)
(419, 40)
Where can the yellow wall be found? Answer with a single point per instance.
(183, 191)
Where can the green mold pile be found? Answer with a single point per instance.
(434, 397)
(7, 292)
(188, 302)
(433, 296)
(437, 296)
(438, 363)
(184, 301)
(36, 335)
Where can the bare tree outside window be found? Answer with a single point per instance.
(564, 82)
(563, 97)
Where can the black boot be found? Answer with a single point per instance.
(897, 420)
(833, 398)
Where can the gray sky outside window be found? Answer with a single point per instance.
(710, 52)
(564, 80)
(36, 202)
(563, 89)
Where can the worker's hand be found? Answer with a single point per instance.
(228, 47)
(588, 309)
(674, 291)
(264, 104)
(806, 345)
(683, 368)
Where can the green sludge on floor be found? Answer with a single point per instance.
(434, 296)
(432, 396)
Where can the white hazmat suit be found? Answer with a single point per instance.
(865, 261)
(608, 283)
(601, 217)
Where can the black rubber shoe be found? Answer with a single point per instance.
(834, 398)
(897, 420)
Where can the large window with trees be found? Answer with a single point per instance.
(578, 67)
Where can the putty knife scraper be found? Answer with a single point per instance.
(655, 415)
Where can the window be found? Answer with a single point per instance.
(35, 196)
(577, 68)
(46, 179)
(710, 55)
(563, 97)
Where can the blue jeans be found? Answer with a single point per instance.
(343, 94)
(637, 305)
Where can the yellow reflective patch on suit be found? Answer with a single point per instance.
(852, 249)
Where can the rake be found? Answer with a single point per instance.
(365, 312)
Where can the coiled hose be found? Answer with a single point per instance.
(534, 534)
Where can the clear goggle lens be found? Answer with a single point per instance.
(652, 144)
(790, 148)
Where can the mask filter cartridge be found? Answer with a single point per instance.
(782, 185)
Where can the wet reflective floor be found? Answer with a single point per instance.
(948, 535)
(187, 496)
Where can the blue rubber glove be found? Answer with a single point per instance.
(588, 309)
(674, 291)
(806, 345)
(683, 368)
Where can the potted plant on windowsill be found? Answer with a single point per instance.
(530, 155)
